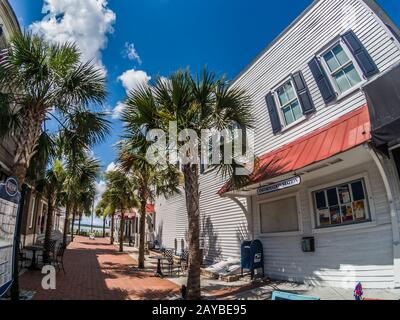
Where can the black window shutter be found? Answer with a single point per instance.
(273, 113)
(394, 32)
(202, 168)
(325, 87)
(303, 93)
(361, 54)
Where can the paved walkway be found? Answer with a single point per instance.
(96, 271)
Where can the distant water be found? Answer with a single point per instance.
(85, 227)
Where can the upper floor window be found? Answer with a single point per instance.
(341, 68)
(289, 103)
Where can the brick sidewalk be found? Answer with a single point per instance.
(96, 271)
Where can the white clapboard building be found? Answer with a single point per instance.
(326, 203)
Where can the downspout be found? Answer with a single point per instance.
(393, 215)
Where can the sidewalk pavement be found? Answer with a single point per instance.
(96, 271)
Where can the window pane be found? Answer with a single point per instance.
(320, 200)
(332, 197)
(342, 81)
(344, 194)
(289, 91)
(352, 75)
(297, 111)
(341, 55)
(331, 61)
(324, 217)
(347, 213)
(358, 191)
(359, 210)
(287, 112)
(282, 96)
(335, 215)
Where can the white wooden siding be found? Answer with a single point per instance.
(342, 257)
(292, 52)
(326, 20)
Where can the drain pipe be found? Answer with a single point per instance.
(393, 215)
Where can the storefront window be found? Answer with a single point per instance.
(279, 216)
(342, 204)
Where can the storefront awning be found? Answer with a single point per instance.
(383, 96)
(131, 214)
(345, 133)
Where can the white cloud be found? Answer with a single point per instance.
(131, 53)
(111, 167)
(132, 78)
(117, 111)
(100, 189)
(86, 23)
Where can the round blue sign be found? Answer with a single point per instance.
(11, 187)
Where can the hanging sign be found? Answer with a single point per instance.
(9, 202)
(281, 185)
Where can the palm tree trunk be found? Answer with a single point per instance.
(142, 232)
(26, 141)
(79, 224)
(104, 226)
(121, 232)
(49, 226)
(112, 229)
(192, 204)
(73, 222)
(66, 225)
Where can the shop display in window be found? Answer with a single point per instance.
(342, 204)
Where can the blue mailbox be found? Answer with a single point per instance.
(245, 255)
(252, 256)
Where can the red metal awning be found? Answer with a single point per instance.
(130, 214)
(345, 133)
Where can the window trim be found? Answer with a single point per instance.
(280, 107)
(283, 233)
(324, 51)
(371, 222)
(32, 211)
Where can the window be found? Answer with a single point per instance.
(342, 204)
(341, 68)
(279, 216)
(289, 103)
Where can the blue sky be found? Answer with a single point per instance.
(172, 34)
(133, 40)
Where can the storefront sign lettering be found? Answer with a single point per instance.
(281, 185)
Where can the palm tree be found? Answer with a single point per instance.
(121, 195)
(54, 180)
(204, 102)
(39, 79)
(148, 180)
(80, 185)
(106, 208)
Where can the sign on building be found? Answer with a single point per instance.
(279, 185)
(9, 201)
